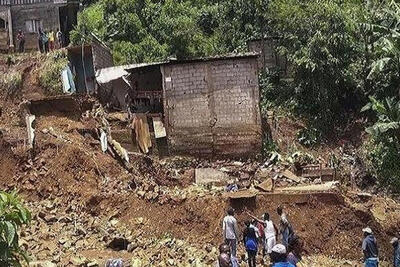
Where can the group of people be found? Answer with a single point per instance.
(262, 235)
(47, 40)
(370, 249)
(50, 40)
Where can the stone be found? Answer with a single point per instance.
(92, 264)
(204, 176)
(42, 264)
(291, 176)
(267, 185)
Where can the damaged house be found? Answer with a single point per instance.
(207, 106)
(30, 15)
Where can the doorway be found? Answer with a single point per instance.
(68, 19)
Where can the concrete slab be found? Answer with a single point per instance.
(290, 175)
(205, 176)
(242, 194)
(311, 188)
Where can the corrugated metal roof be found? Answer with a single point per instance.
(107, 75)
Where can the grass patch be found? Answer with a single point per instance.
(10, 83)
(50, 72)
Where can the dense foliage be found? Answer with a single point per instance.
(340, 53)
(12, 216)
(146, 30)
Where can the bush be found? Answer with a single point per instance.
(382, 151)
(382, 160)
(309, 137)
(10, 83)
(50, 72)
(12, 216)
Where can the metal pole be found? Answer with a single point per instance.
(83, 65)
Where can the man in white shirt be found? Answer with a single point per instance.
(230, 231)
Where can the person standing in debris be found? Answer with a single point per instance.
(51, 40)
(279, 257)
(396, 251)
(21, 41)
(261, 231)
(45, 41)
(286, 229)
(59, 36)
(295, 250)
(114, 263)
(40, 40)
(230, 231)
(270, 233)
(224, 258)
(370, 248)
(250, 242)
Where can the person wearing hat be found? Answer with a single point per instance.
(370, 248)
(396, 251)
(279, 256)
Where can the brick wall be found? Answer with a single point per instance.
(46, 12)
(212, 107)
(102, 57)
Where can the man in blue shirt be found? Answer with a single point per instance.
(396, 252)
(279, 256)
(370, 248)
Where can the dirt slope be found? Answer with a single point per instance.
(87, 206)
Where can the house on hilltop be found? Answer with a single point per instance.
(30, 15)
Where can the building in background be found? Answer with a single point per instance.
(30, 15)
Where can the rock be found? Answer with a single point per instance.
(92, 264)
(141, 193)
(237, 163)
(291, 176)
(318, 181)
(42, 264)
(262, 174)
(244, 176)
(114, 222)
(267, 185)
(136, 263)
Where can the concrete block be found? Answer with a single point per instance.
(205, 176)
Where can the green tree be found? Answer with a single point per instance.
(383, 148)
(318, 42)
(12, 216)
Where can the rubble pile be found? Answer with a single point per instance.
(92, 200)
(62, 236)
